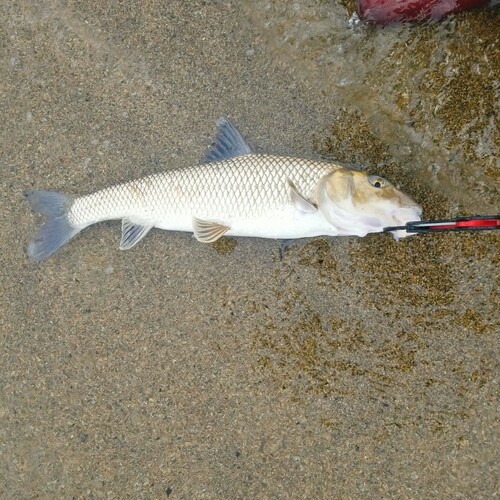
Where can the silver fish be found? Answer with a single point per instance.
(235, 192)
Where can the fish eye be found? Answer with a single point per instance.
(376, 181)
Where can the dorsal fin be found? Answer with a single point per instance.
(228, 143)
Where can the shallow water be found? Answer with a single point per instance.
(427, 92)
(350, 367)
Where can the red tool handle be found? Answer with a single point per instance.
(475, 223)
(465, 224)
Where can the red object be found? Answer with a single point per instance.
(392, 11)
(475, 223)
(491, 223)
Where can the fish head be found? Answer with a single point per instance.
(357, 203)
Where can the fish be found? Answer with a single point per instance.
(234, 192)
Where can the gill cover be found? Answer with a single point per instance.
(339, 203)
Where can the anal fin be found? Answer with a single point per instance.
(132, 233)
(207, 231)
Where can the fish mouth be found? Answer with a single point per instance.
(401, 216)
(408, 213)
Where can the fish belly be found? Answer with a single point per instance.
(280, 224)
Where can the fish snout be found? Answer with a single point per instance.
(406, 201)
(402, 216)
(406, 214)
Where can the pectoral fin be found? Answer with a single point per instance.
(132, 233)
(207, 231)
(301, 202)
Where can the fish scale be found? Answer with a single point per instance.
(246, 186)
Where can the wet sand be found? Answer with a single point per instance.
(351, 368)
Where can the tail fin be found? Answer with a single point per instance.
(56, 230)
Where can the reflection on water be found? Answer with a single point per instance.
(428, 92)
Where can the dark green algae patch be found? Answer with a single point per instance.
(414, 282)
(224, 245)
(398, 323)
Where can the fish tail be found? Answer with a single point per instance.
(57, 229)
